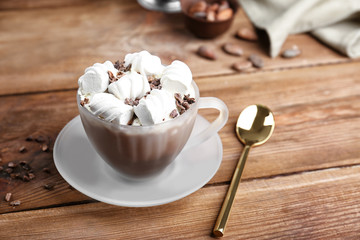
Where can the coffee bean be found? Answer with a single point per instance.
(206, 52)
(224, 14)
(256, 61)
(291, 52)
(246, 34)
(8, 197)
(242, 65)
(233, 49)
(198, 7)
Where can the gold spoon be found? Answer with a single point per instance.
(253, 128)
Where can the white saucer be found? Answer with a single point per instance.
(80, 165)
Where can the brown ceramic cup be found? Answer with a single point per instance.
(141, 151)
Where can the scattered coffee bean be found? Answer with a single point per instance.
(29, 138)
(242, 65)
(22, 149)
(8, 197)
(173, 113)
(291, 52)
(198, 7)
(49, 186)
(206, 52)
(256, 61)
(233, 49)
(44, 147)
(247, 34)
(11, 165)
(47, 170)
(224, 14)
(15, 203)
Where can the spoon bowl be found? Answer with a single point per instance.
(254, 127)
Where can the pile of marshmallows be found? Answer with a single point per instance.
(107, 100)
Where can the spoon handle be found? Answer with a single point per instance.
(224, 214)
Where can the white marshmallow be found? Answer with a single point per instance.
(144, 63)
(155, 108)
(96, 78)
(131, 86)
(110, 108)
(177, 78)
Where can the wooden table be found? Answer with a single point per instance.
(304, 183)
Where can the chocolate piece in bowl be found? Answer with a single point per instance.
(211, 22)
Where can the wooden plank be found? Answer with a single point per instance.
(317, 125)
(316, 205)
(50, 52)
(25, 4)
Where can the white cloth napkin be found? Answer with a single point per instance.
(334, 22)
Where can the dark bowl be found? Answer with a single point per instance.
(205, 29)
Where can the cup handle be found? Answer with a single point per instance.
(215, 126)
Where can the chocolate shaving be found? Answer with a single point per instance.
(180, 106)
(178, 98)
(11, 165)
(188, 99)
(15, 203)
(44, 147)
(29, 138)
(111, 77)
(130, 102)
(174, 113)
(40, 139)
(117, 65)
(31, 176)
(49, 186)
(22, 149)
(127, 68)
(186, 105)
(8, 197)
(82, 103)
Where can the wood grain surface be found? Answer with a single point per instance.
(48, 48)
(302, 184)
(314, 205)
